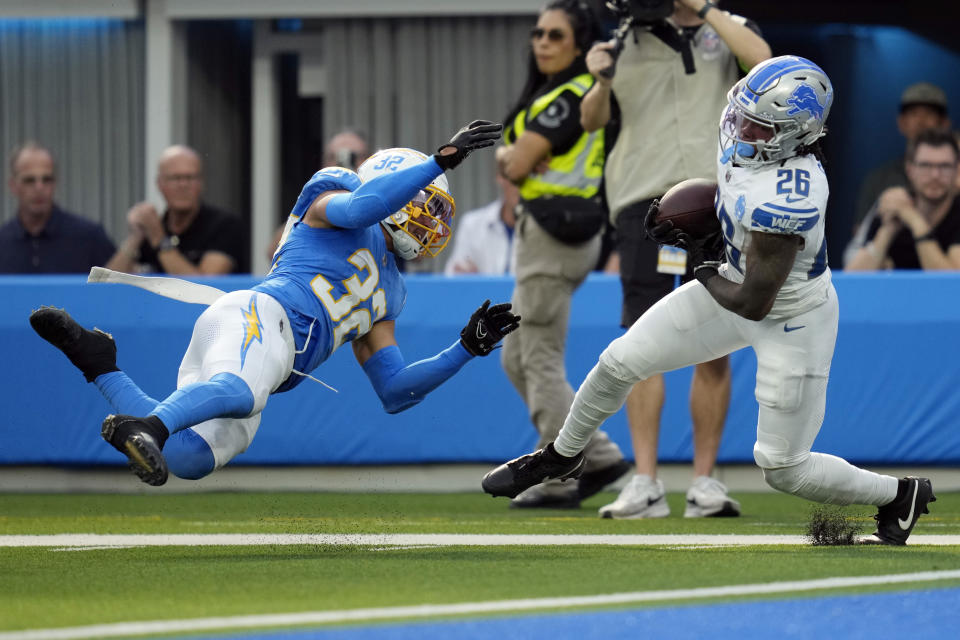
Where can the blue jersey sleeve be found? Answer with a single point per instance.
(329, 179)
(401, 386)
(380, 197)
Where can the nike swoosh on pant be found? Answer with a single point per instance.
(913, 505)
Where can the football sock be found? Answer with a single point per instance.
(903, 486)
(224, 395)
(600, 396)
(553, 452)
(124, 395)
(189, 456)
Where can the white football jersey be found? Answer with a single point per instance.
(788, 197)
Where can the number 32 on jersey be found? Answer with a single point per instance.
(351, 310)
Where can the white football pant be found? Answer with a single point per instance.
(793, 365)
(248, 334)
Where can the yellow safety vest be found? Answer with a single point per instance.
(578, 171)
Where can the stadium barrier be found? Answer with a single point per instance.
(892, 396)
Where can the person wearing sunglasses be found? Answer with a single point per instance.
(558, 168)
(917, 227)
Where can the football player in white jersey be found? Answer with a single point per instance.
(763, 283)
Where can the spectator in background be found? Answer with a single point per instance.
(347, 148)
(43, 238)
(250, 344)
(922, 106)
(483, 243)
(918, 226)
(667, 87)
(558, 167)
(956, 137)
(191, 238)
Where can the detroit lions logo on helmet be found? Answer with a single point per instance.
(804, 98)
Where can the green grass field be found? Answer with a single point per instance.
(62, 586)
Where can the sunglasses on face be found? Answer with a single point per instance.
(553, 35)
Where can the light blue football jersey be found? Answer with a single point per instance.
(333, 283)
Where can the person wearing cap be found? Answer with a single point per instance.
(922, 106)
(917, 227)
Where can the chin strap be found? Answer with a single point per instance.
(403, 245)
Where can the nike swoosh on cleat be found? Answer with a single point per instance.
(913, 504)
(788, 329)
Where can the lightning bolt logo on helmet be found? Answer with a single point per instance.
(252, 328)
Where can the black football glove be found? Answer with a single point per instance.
(487, 327)
(663, 233)
(476, 135)
(704, 255)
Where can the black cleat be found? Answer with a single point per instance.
(516, 476)
(93, 352)
(548, 496)
(895, 521)
(141, 440)
(592, 482)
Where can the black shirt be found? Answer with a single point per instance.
(211, 230)
(559, 122)
(68, 244)
(903, 249)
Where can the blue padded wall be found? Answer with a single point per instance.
(892, 396)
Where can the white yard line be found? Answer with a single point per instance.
(466, 608)
(93, 540)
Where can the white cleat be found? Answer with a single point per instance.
(707, 498)
(642, 497)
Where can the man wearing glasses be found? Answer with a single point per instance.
(918, 227)
(191, 238)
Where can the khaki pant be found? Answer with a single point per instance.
(548, 273)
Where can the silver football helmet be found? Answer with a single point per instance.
(422, 226)
(779, 107)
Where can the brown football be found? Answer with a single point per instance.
(689, 205)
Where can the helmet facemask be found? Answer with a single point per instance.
(774, 112)
(749, 140)
(422, 227)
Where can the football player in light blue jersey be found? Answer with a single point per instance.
(334, 280)
(761, 281)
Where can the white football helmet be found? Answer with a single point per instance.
(422, 226)
(779, 107)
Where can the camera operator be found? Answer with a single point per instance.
(665, 88)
